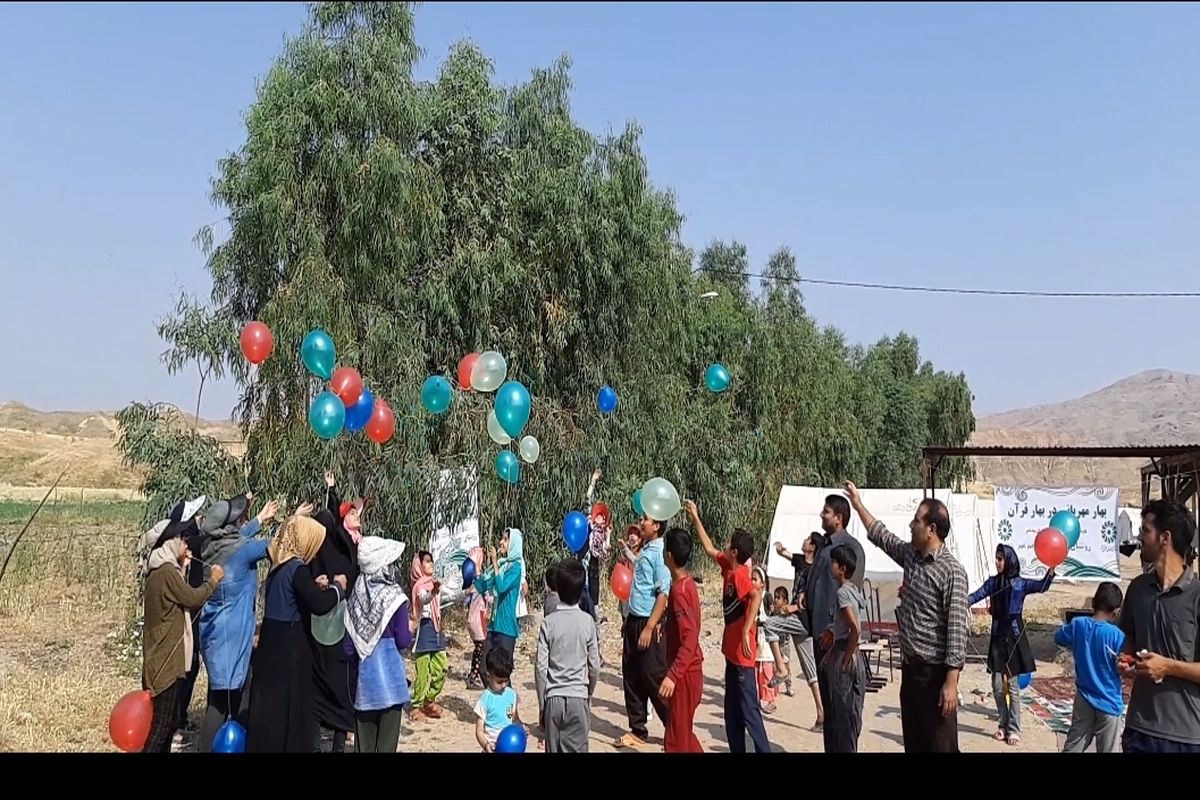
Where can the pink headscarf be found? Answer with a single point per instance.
(424, 583)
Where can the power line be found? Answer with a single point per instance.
(891, 287)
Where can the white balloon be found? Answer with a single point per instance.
(660, 501)
(489, 372)
(496, 431)
(530, 449)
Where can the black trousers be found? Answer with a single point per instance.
(642, 672)
(925, 729)
(594, 582)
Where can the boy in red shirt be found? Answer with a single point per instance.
(684, 684)
(739, 644)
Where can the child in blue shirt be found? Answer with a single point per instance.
(497, 706)
(1095, 643)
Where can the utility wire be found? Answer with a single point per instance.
(946, 289)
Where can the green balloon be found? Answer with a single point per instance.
(318, 353)
(508, 467)
(637, 503)
(327, 415)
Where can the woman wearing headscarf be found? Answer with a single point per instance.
(227, 620)
(1009, 653)
(167, 641)
(503, 579)
(333, 676)
(379, 627)
(478, 606)
(184, 523)
(281, 696)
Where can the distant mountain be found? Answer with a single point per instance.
(1155, 407)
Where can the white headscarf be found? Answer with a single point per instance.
(377, 594)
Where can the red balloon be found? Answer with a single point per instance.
(1050, 547)
(129, 722)
(464, 370)
(257, 342)
(382, 424)
(621, 582)
(346, 383)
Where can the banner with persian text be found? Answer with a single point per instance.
(1023, 511)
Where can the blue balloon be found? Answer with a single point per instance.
(1024, 679)
(606, 400)
(318, 353)
(230, 738)
(575, 531)
(716, 378)
(436, 394)
(511, 740)
(327, 415)
(468, 573)
(637, 503)
(359, 414)
(508, 467)
(512, 408)
(1068, 525)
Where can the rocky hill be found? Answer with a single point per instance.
(1153, 407)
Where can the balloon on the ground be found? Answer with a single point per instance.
(382, 424)
(489, 372)
(230, 738)
(359, 414)
(621, 582)
(495, 431)
(636, 502)
(716, 378)
(327, 415)
(257, 342)
(129, 722)
(1068, 524)
(606, 400)
(436, 394)
(508, 467)
(530, 449)
(1024, 679)
(468, 573)
(660, 500)
(1050, 547)
(463, 373)
(575, 531)
(512, 407)
(511, 740)
(347, 384)
(318, 354)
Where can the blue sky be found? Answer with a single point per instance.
(1018, 146)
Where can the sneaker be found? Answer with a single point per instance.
(787, 688)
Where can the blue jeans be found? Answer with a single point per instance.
(1137, 742)
(742, 711)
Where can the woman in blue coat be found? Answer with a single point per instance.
(227, 619)
(1009, 654)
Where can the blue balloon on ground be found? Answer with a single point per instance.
(327, 415)
(318, 353)
(359, 414)
(508, 467)
(230, 738)
(1067, 524)
(637, 503)
(468, 573)
(511, 740)
(606, 400)
(436, 394)
(1024, 680)
(716, 378)
(512, 407)
(575, 531)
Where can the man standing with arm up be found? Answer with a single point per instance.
(820, 596)
(933, 624)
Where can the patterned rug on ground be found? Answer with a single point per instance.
(1051, 700)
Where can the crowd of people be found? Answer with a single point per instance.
(341, 621)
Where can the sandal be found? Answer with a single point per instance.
(631, 741)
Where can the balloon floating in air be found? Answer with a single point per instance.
(530, 449)
(606, 400)
(318, 353)
(436, 394)
(1068, 524)
(660, 499)
(359, 414)
(508, 467)
(716, 378)
(257, 342)
(512, 407)
(489, 372)
(327, 415)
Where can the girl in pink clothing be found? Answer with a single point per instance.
(478, 613)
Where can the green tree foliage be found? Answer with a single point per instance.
(420, 221)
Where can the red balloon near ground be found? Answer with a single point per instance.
(382, 424)
(464, 370)
(257, 342)
(621, 582)
(129, 722)
(347, 384)
(1051, 547)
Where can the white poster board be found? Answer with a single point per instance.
(452, 538)
(1021, 512)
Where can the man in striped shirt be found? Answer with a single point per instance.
(933, 624)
